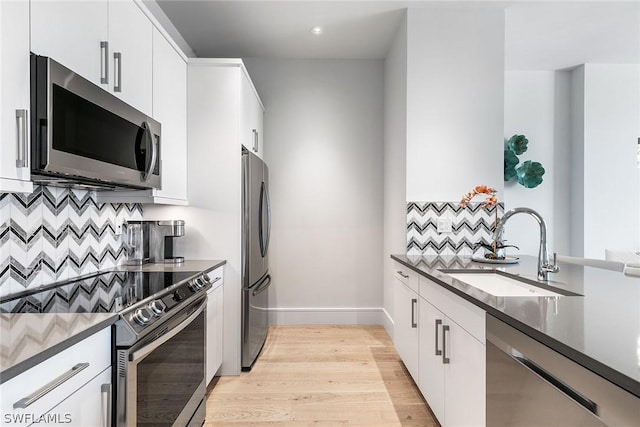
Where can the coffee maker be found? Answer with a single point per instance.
(152, 241)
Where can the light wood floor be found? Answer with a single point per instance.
(321, 376)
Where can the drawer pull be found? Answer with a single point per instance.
(47, 388)
(406, 276)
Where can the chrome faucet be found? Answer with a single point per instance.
(545, 266)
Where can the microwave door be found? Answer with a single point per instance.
(85, 133)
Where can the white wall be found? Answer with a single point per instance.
(323, 129)
(612, 128)
(455, 87)
(395, 136)
(537, 105)
(577, 162)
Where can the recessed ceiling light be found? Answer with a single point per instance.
(316, 31)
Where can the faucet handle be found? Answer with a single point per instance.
(552, 267)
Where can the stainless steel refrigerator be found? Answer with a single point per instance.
(256, 229)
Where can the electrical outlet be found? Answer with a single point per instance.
(445, 225)
(118, 227)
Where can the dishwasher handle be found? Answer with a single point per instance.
(586, 403)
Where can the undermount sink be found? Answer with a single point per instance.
(500, 285)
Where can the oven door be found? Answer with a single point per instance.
(161, 379)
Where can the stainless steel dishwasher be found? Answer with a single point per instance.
(529, 384)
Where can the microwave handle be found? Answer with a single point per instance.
(151, 147)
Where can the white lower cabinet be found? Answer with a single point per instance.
(465, 378)
(405, 330)
(215, 307)
(440, 337)
(452, 367)
(38, 393)
(431, 378)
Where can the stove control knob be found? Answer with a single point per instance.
(206, 278)
(157, 307)
(141, 316)
(192, 285)
(199, 282)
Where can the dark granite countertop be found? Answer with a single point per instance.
(599, 328)
(27, 339)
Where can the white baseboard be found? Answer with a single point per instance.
(327, 316)
(388, 323)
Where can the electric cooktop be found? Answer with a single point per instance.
(109, 292)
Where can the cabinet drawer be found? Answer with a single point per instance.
(57, 377)
(90, 406)
(406, 276)
(217, 276)
(465, 314)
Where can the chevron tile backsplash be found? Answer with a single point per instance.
(471, 225)
(56, 234)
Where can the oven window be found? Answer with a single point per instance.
(82, 128)
(169, 376)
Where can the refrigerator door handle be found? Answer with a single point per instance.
(262, 286)
(261, 237)
(266, 192)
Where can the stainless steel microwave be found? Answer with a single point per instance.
(83, 135)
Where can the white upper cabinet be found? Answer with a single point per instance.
(170, 109)
(71, 33)
(14, 97)
(106, 42)
(168, 80)
(131, 63)
(252, 116)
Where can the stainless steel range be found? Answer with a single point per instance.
(160, 355)
(159, 339)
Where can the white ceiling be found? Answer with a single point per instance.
(539, 35)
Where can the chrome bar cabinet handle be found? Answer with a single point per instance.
(414, 302)
(438, 323)
(117, 78)
(21, 138)
(445, 359)
(406, 276)
(255, 140)
(107, 389)
(48, 388)
(104, 62)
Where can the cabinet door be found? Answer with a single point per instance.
(131, 63)
(70, 32)
(88, 406)
(405, 333)
(170, 109)
(14, 96)
(214, 332)
(252, 118)
(431, 366)
(465, 377)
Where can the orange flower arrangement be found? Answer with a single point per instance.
(489, 202)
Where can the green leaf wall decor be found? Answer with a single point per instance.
(528, 174)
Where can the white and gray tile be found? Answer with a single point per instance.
(470, 226)
(55, 234)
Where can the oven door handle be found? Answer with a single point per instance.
(144, 351)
